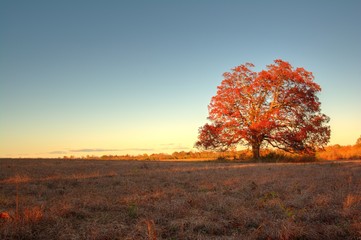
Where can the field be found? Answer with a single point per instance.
(74, 199)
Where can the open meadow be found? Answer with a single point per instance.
(83, 199)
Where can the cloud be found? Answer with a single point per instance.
(179, 148)
(164, 147)
(138, 149)
(167, 144)
(89, 150)
(58, 152)
(174, 147)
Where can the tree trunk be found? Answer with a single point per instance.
(255, 151)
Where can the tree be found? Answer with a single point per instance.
(275, 107)
(358, 142)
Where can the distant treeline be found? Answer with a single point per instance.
(243, 154)
(334, 152)
(338, 152)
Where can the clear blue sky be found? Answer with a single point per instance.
(117, 77)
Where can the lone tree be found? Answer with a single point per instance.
(276, 107)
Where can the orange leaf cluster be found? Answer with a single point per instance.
(277, 107)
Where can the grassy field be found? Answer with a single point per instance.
(59, 199)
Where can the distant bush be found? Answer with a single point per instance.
(358, 142)
(281, 156)
(336, 152)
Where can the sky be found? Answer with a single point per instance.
(132, 77)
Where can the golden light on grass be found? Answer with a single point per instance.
(152, 235)
(180, 200)
(33, 214)
(351, 200)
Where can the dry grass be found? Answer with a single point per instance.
(179, 200)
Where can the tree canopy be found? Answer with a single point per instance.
(276, 107)
(358, 142)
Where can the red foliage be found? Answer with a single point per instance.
(277, 106)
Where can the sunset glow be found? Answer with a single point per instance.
(131, 77)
